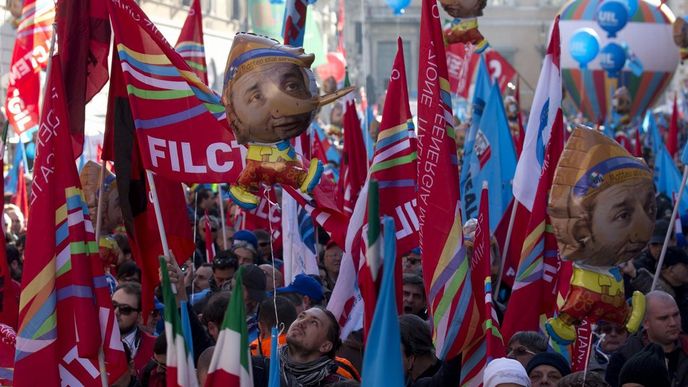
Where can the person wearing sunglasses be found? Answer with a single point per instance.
(411, 262)
(524, 345)
(127, 304)
(609, 337)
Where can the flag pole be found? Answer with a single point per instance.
(671, 228)
(158, 218)
(222, 217)
(507, 241)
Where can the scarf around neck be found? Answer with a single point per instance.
(305, 374)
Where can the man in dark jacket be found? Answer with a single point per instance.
(662, 325)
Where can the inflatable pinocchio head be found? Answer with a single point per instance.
(602, 202)
(270, 92)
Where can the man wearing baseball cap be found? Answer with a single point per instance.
(254, 292)
(304, 292)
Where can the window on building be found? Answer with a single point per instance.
(384, 56)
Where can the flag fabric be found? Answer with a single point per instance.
(83, 37)
(231, 362)
(274, 377)
(122, 146)
(179, 359)
(63, 277)
(30, 55)
(294, 24)
(667, 175)
(20, 197)
(8, 339)
(167, 99)
(672, 139)
(462, 62)
(369, 276)
(546, 104)
(208, 238)
(638, 144)
(382, 366)
(190, 43)
(492, 159)
(439, 211)
(394, 168)
(581, 351)
(354, 167)
(518, 141)
(17, 163)
(9, 289)
(323, 148)
(267, 216)
(534, 293)
(472, 154)
(300, 255)
(487, 344)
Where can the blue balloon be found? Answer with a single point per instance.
(584, 46)
(612, 16)
(631, 5)
(398, 6)
(613, 59)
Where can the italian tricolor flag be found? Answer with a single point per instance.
(231, 363)
(180, 362)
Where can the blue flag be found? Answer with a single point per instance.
(667, 176)
(493, 159)
(274, 376)
(382, 363)
(13, 174)
(470, 186)
(684, 154)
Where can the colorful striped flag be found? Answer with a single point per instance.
(445, 265)
(65, 317)
(231, 362)
(9, 289)
(487, 345)
(294, 24)
(354, 167)
(30, 56)
(382, 364)
(534, 293)
(179, 361)
(190, 43)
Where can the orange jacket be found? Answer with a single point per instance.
(261, 347)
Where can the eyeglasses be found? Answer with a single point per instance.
(124, 309)
(519, 351)
(411, 261)
(608, 329)
(263, 244)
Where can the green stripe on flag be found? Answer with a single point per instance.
(393, 162)
(158, 94)
(235, 317)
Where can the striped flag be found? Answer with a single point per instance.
(190, 43)
(294, 24)
(487, 345)
(179, 361)
(546, 104)
(231, 362)
(534, 293)
(445, 265)
(30, 56)
(65, 314)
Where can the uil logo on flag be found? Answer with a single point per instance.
(482, 148)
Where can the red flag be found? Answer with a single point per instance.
(518, 142)
(65, 302)
(581, 350)
(30, 55)
(638, 146)
(535, 288)
(8, 338)
(20, 198)
(672, 141)
(83, 36)
(209, 242)
(439, 209)
(190, 43)
(267, 216)
(487, 344)
(9, 289)
(462, 63)
(354, 167)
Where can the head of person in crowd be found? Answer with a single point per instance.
(546, 369)
(505, 372)
(413, 294)
(524, 345)
(128, 271)
(583, 379)
(657, 238)
(612, 336)
(675, 268)
(123, 248)
(17, 224)
(245, 253)
(127, 304)
(304, 292)
(264, 247)
(214, 312)
(411, 262)
(211, 222)
(285, 315)
(646, 368)
(313, 335)
(229, 234)
(662, 321)
(417, 350)
(202, 275)
(204, 365)
(225, 266)
(274, 278)
(254, 287)
(205, 199)
(14, 262)
(246, 236)
(332, 260)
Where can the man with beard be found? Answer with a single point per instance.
(127, 303)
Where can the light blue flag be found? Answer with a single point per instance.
(13, 174)
(667, 176)
(470, 186)
(382, 363)
(274, 377)
(493, 160)
(367, 121)
(186, 327)
(684, 154)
